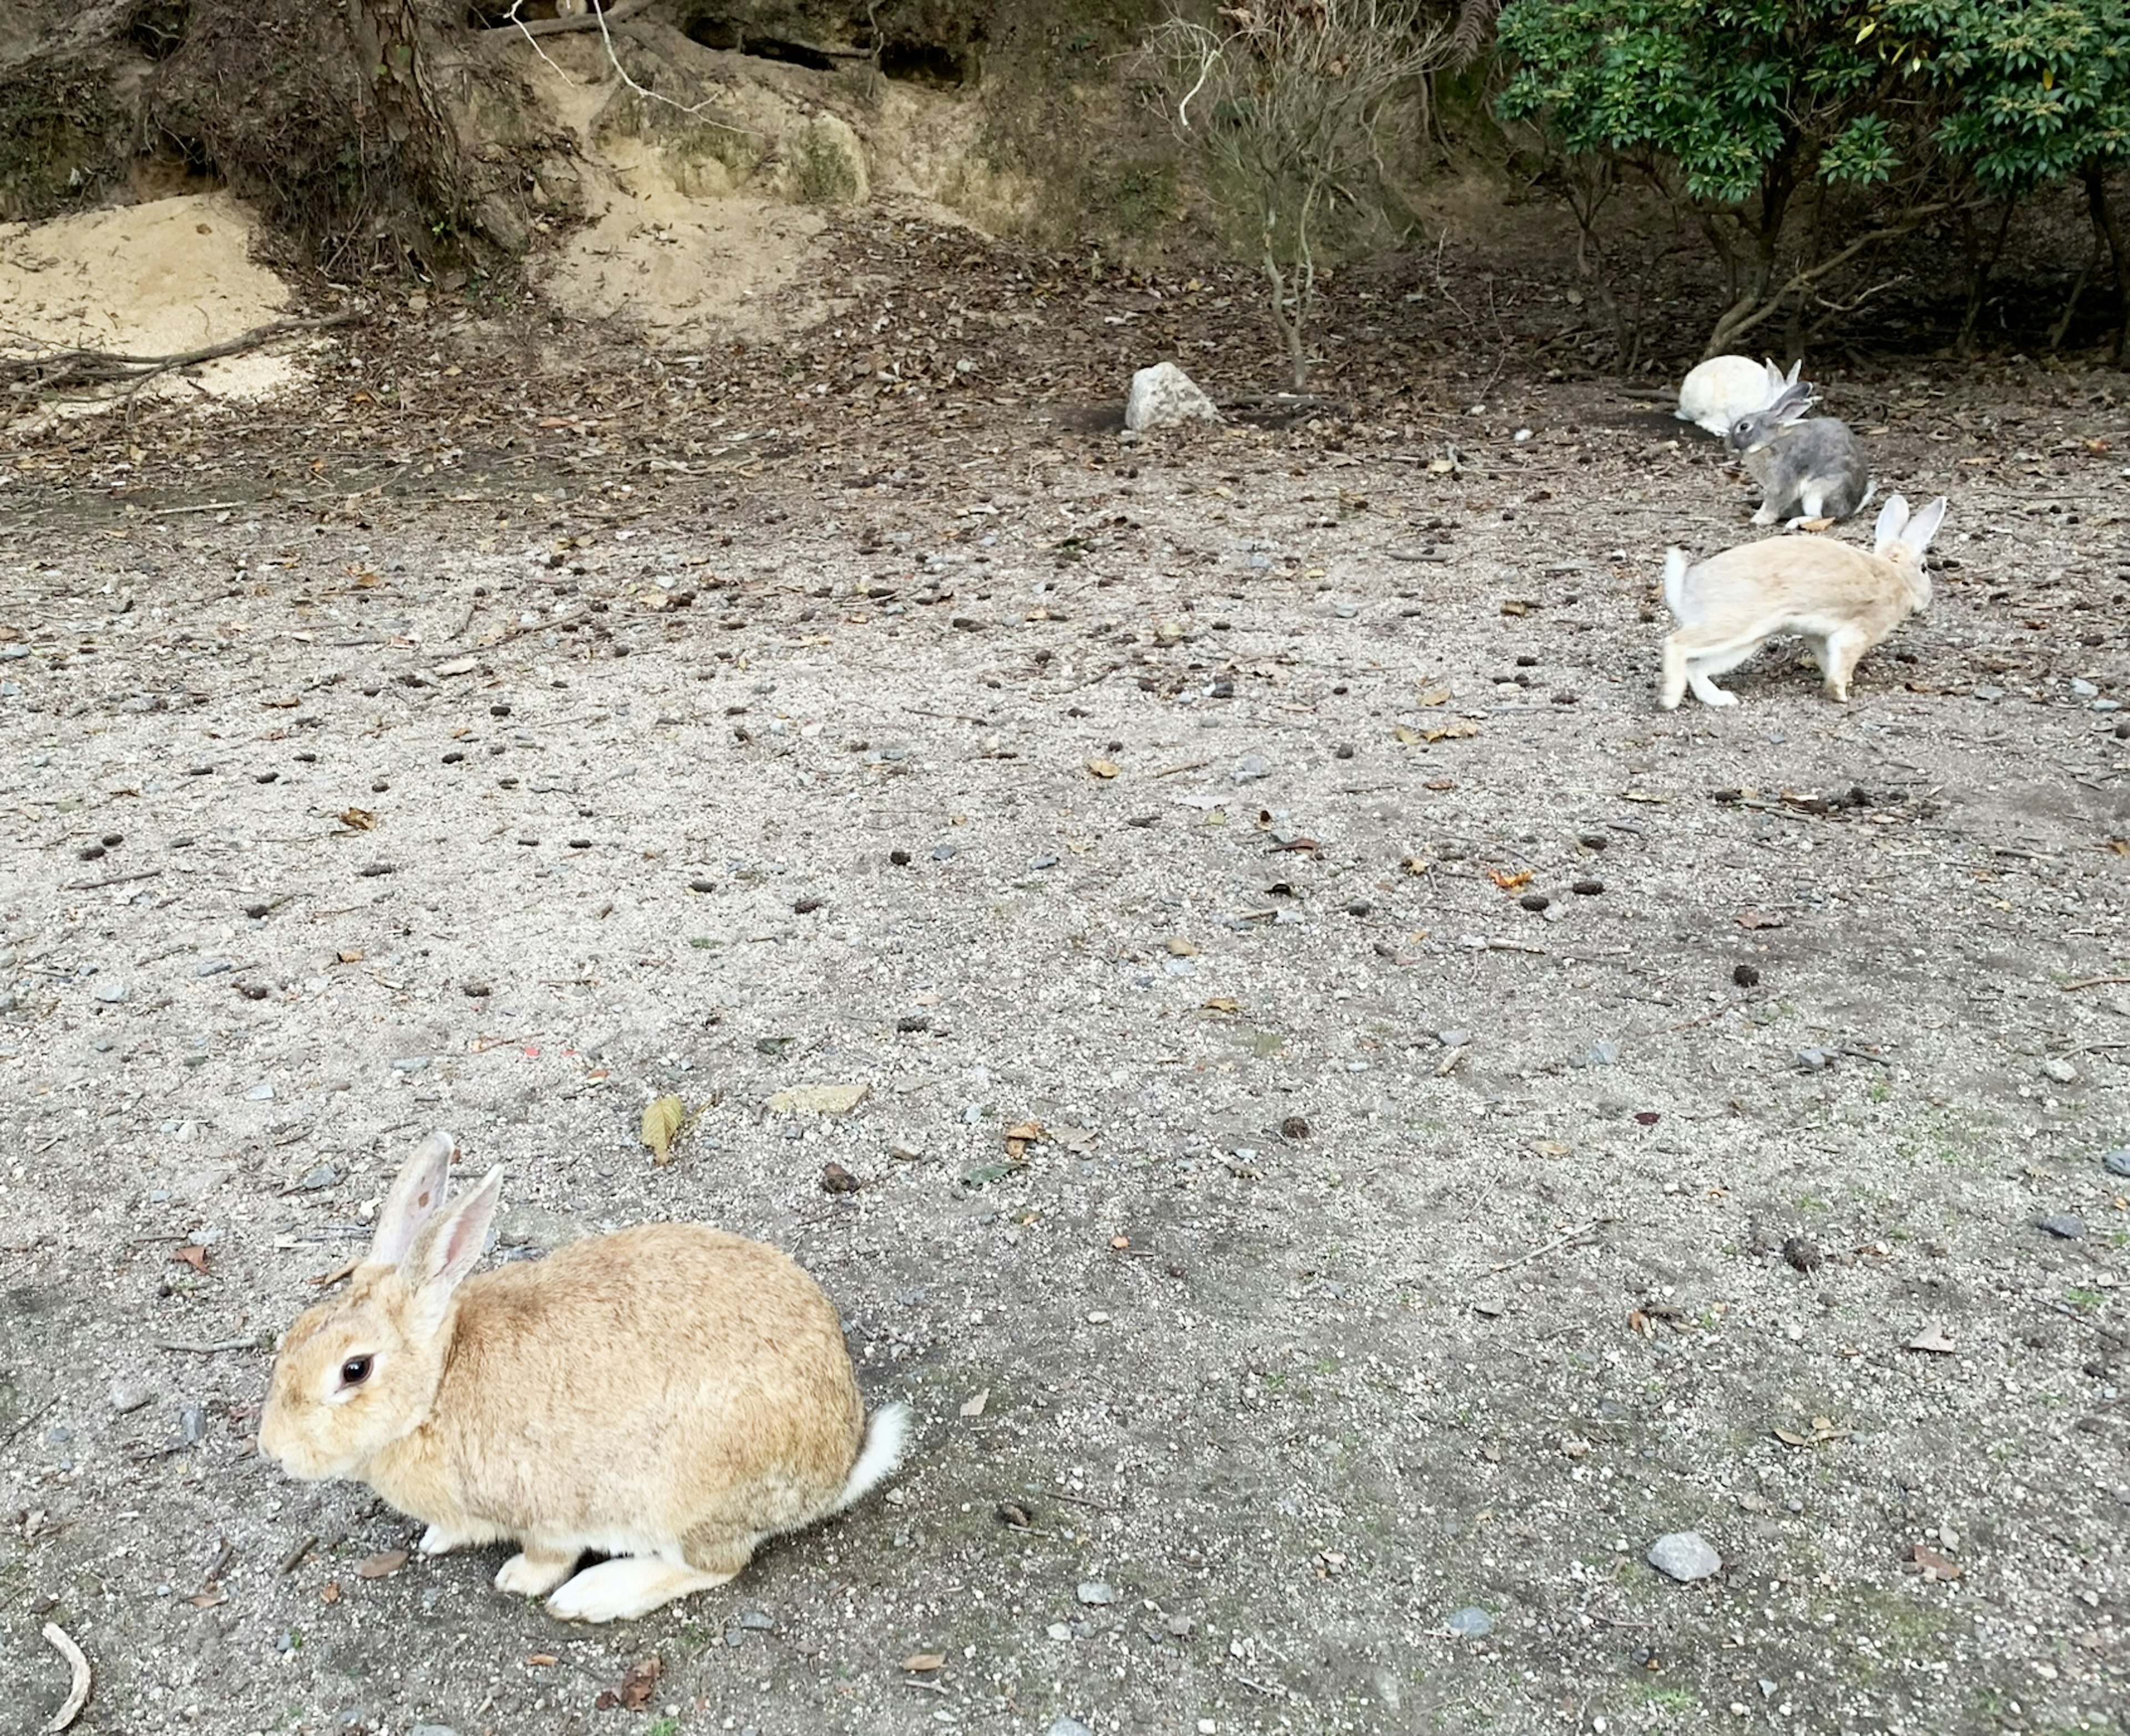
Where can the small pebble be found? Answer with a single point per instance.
(1359, 907)
(1587, 889)
(1061, 1725)
(1746, 976)
(1534, 901)
(1604, 1053)
(1253, 767)
(1295, 1127)
(2116, 1162)
(262, 1092)
(1593, 841)
(1095, 1591)
(2062, 1071)
(2066, 1225)
(323, 1176)
(1685, 1555)
(1470, 1623)
(1452, 1039)
(411, 1064)
(1811, 1061)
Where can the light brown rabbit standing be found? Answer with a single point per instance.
(1840, 600)
(669, 1397)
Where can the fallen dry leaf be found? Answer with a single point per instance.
(1220, 1003)
(1416, 866)
(974, 1407)
(348, 955)
(1933, 1565)
(331, 1594)
(1456, 729)
(634, 1689)
(663, 1119)
(358, 819)
(1760, 919)
(1104, 768)
(191, 1255)
(542, 1660)
(1933, 1340)
(1433, 696)
(924, 1662)
(385, 1562)
(1509, 882)
(835, 1179)
(208, 1596)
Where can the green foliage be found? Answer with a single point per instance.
(1730, 95)
(2030, 90)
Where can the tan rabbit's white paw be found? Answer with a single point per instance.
(527, 1575)
(627, 1587)
(438, 1540)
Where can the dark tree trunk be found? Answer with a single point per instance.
(2108, 228)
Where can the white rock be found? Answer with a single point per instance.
(1164, 397)
(1685, 1555)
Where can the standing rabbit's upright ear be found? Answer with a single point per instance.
(449, 1248)
(1916, 536)
(1893, 518)
(416, 1193)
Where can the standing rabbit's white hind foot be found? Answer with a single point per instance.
(627, 1587)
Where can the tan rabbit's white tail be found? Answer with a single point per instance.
(886, 1435)
(1675, 565)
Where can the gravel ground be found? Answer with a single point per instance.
(1393, 1262)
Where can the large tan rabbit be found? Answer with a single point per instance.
(1840, 600)
(668, 1396)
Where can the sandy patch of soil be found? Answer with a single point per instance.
(156, 279)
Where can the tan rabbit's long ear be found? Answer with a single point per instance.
(1921, 528)
(1892, 519)
(451, 1245)
(416, 1193)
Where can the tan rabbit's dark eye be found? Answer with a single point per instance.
(355, 1370)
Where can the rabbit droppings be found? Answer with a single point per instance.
(1717, 392)
(669, 1397)
(1840, 600)
(1807, 469)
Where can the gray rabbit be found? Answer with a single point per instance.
(1807, 469)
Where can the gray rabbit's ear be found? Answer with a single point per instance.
(1791, 403)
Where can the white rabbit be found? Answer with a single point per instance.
(1721, 390)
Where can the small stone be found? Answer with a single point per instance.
(317, 1180)
(807, 905)
(127, 1399)
(533, 1226)
(1534, 901)
(1587, 889)
(1061, 1725)
(1746, 976)
(1452, 1039)
(2081, 689)
(2116, 1162)
(1295, 1127)
(1058, 1630)
(1165, 397)
(1593, 841)
(1603, 1053)
(1988, 695)
(1470, 1623)
(2066, 1225)
(900, 858)
(818, 1099)
(757, 1621)
(1812, 1061)
(112, 995)
(212, 967)
(1685, 1555)
(945, 853)
(1095, 1591)
(1359, 907)
(1253, 767)
(192, 1424)
(262, 1092)
(433, 1730)
(2062, 1071)
(835, 1179)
